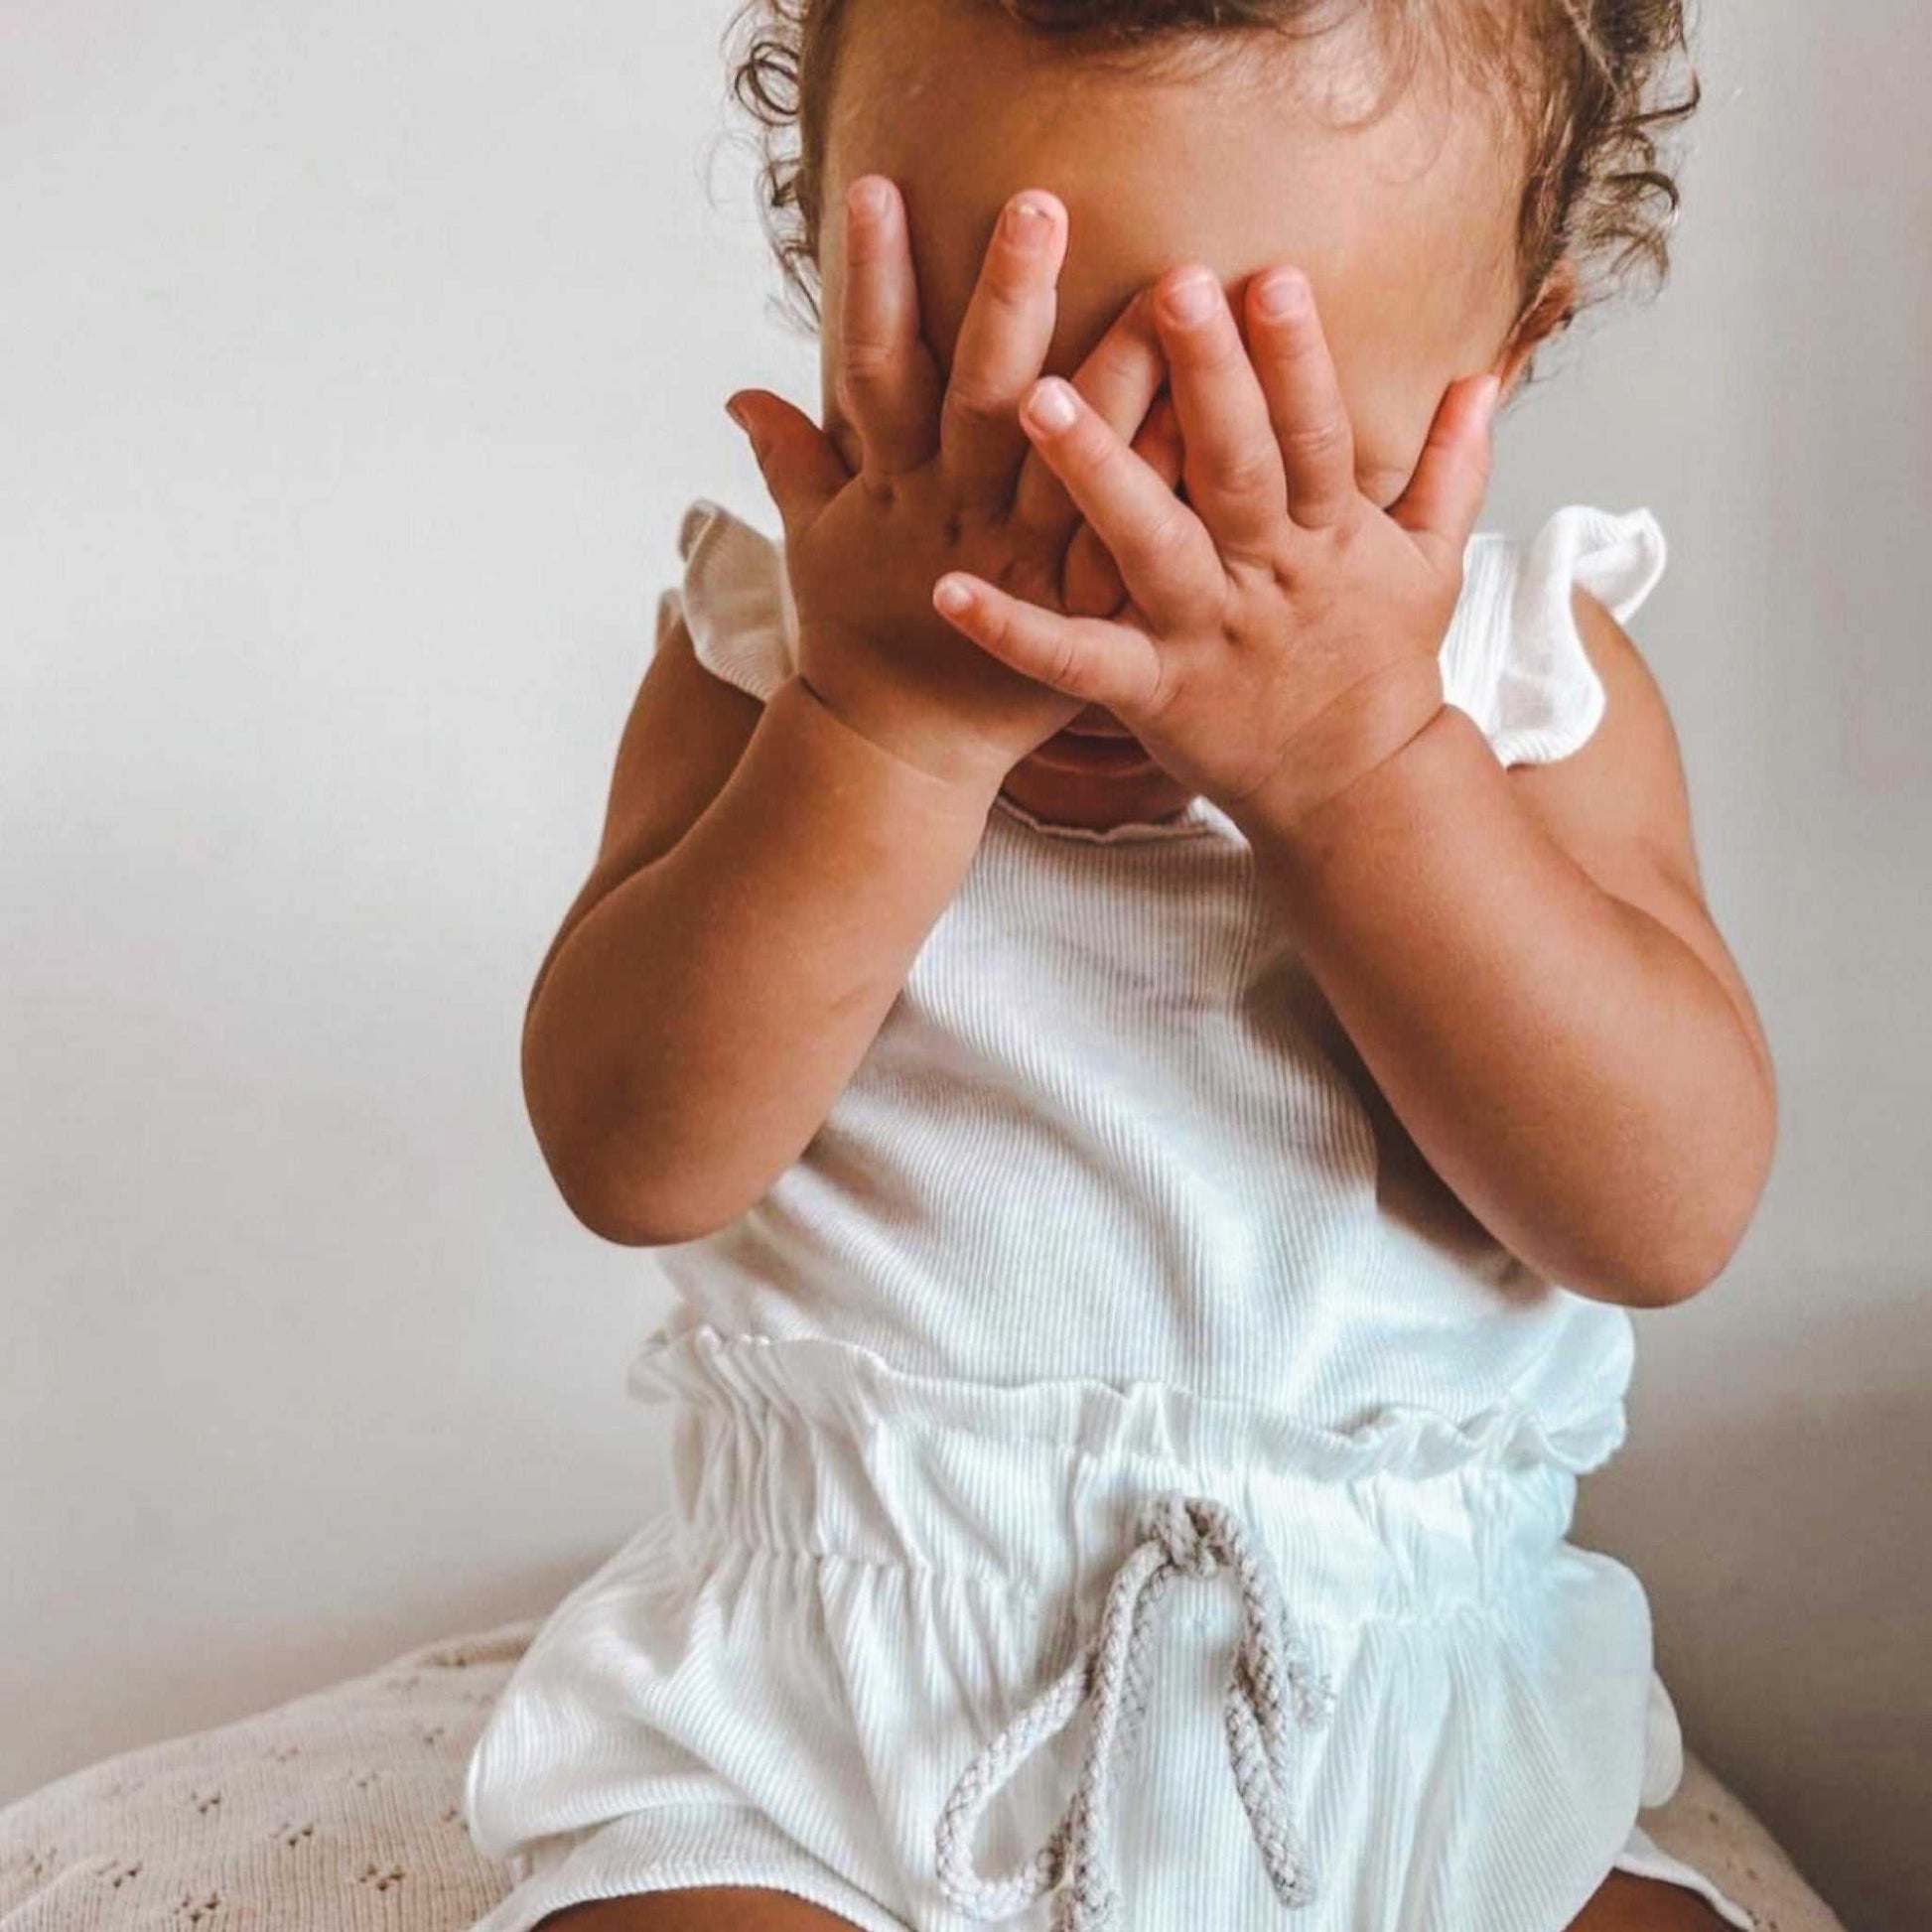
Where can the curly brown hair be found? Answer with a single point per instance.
(1591, 83)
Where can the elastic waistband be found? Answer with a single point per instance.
(817, 1445)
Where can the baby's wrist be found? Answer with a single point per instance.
(935, 757)
(1367, 729)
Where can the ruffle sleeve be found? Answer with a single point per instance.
(1514, 658)
(734, 598)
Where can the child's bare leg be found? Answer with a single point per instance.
(708, 1908)
(1626, 1903)
(1622, 1903)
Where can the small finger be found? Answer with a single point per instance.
(799, 463)
(1445, 495)
(1167, 560)
(1092, 581)
(1001, 349)
(1304, 400)
(888, 383)
(1108, 664)
(1120, 376)
(1160, 444)
(1233, 466)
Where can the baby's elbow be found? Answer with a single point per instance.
(1663, 1274)
(1679, 1269)
(603, 1194)
(619, 1184)
(1676, 1274)
(615, 1216)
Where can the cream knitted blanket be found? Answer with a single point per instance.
(339, 1812)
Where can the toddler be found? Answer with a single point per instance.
(1153, 990)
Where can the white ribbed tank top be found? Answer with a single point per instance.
(1111, 1128)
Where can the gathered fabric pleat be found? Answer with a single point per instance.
(862, 1577)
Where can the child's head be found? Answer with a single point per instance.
(1457, 177)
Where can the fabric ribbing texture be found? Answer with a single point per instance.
(1111, 1232)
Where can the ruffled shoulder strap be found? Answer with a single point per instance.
(734, 598)
(1513, 658)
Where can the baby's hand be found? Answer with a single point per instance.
(1284, 631)
(947, 482)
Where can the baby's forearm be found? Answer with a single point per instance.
(1573, 1071)
(695, 1028)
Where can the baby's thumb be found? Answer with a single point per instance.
(801, 466)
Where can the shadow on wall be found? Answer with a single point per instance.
(1795, 1630)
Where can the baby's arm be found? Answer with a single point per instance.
(764, 881)
(1525, 962)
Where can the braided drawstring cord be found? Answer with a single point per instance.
(1176, 1536)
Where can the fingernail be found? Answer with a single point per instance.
(1051, 405)
(1283, 292)
(1027, 222)
(1488, 393)
(1191, 299)
(750, 434)
(951, 596)
(867, 197)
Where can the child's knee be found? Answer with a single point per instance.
(706, 1908)
(1625, 1903)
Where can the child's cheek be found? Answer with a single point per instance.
(1392, 425)
(1381, 484)
(1392, 385)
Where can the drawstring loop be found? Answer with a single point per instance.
(1176, 1536)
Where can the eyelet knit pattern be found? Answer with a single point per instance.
(338, 1810)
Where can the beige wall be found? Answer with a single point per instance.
(353, 365)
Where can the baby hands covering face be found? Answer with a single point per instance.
(1269, 637)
